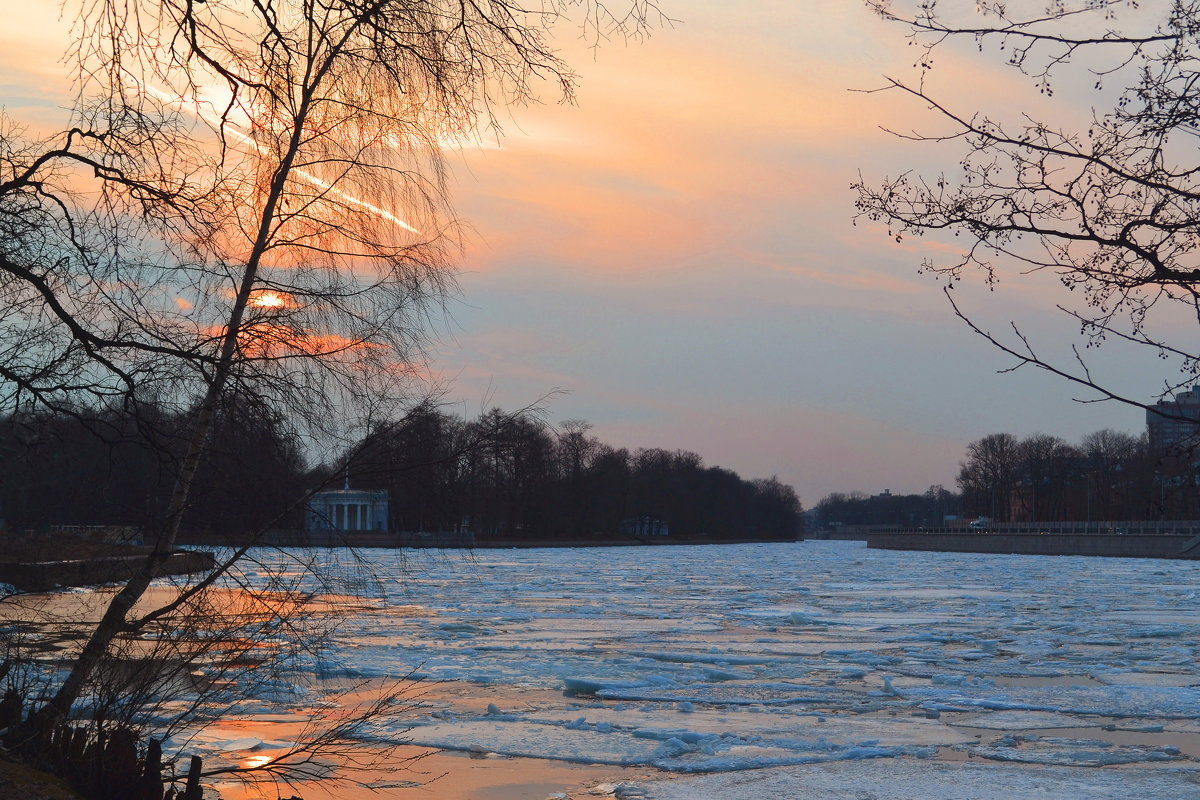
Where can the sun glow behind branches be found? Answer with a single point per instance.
(270, 299)
(308, 177)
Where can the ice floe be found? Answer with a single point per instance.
(779, 657)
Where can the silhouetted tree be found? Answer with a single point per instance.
(610, 482)
(576, 451)
(248, 213)
(1045, 470)
(776, 510)
(1106, 455)
(416, 460)
(988, 476)
(1111, 207)
(252, 476)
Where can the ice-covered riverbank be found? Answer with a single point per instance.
(711, 661)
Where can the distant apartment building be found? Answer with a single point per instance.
(1175, 424)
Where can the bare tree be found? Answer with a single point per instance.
(1111, 208)
(249, 202)
(1045, 464)
(989, 474)
(1108, 458)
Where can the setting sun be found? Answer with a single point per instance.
(268, 298)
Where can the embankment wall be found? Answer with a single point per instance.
(1048, 544)
(46, 575)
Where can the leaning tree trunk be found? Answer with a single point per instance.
(115, 619)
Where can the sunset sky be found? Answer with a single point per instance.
(676, 253)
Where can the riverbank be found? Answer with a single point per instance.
(44, 576)
(666, 541)
(26, 783)
(363, 540)
(1171, 546)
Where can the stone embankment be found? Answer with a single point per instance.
(1117, 540)
(43, 576)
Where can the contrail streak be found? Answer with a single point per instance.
(303, 174)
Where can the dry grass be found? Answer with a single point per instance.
(18, 780)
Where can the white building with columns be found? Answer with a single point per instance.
(347, 510)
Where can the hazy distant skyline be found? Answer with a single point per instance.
(677, 252)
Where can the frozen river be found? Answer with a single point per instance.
(773, 670)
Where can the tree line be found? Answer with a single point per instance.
(501, 476)
(1108, 475)
(116, 467)
(517, 477)
(927, 510)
